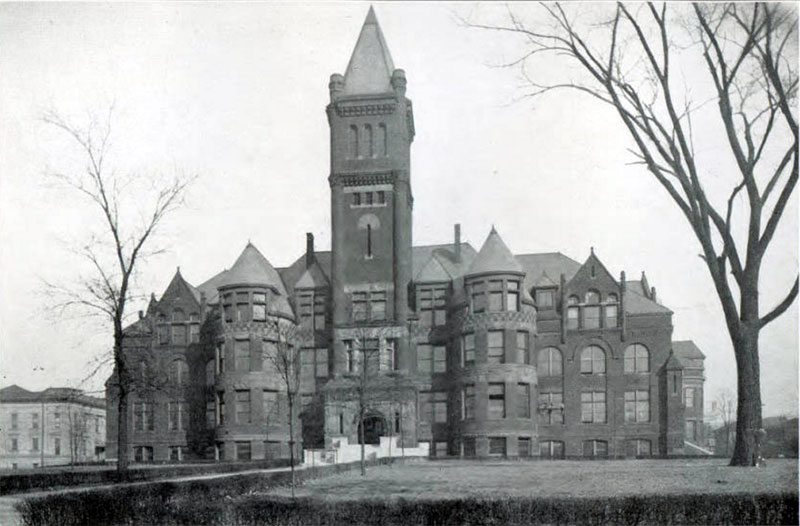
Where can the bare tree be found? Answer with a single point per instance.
(127, 222)
(633, 61)
(286, 357)
(725, 409)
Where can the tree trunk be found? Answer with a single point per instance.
(123, 382)
(361, 430)
(291, 438)
(748, 415)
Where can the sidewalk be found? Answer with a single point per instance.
(10, 517)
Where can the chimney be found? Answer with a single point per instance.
(141, 314)
(457, 241)
(653, 294)
(309, 249)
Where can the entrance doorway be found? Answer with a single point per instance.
(374, 429)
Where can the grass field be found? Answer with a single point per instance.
(463, 479)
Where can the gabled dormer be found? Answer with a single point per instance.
(178, 313)
(592, 297)
(432, 286)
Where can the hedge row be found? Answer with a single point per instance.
(22, 482)
(189, 502)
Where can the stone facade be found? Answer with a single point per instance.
(54, 427)
(479, 353)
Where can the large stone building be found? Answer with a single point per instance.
(476, 352)
(53, 427)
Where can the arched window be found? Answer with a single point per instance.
(178, 372)
(369, 141)
(612, 298)
(593, 360)
(383, 140)
(573, 300)
(178, 315)
(549, 362)
(353, 153)
(592, 296)
(637, 359)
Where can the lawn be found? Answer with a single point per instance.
(492, 479)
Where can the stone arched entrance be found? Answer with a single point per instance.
(374, 429)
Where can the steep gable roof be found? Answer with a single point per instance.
(494, 256)
(312, 278)
(370, 68)
(553, 264)
(636, 303)
(687, 349)
(433, 271)
(180, 288)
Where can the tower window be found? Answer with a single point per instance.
(356, 199)
(369, 140)
(382, 139)
(353, 142)
(381, 197)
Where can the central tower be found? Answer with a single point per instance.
(372, 127)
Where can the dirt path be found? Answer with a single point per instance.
(10, 517)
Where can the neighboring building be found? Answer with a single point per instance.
(479, 353)
(53, 427)
(780, 439)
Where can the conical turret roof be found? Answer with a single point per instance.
(252, 268)
(370, 68)
(494, 257)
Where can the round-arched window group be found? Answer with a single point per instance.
(593, 360)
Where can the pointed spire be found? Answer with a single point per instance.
(494, 256)
(371, 67)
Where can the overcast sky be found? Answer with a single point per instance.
(236, 93)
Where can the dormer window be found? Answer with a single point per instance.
(545, 299)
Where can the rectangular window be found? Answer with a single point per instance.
(270, 407)
(381, 197)
(439, 306)
(220, 359)
(359, 306)
(319, 312)
(439, 359)
(551, 449)
(389, 356)
(174, 453)
(173, 409)
(478, 298)
(595, 448)
(497, 446)
(512, 296)
(637, 448)
(179, 334)
(307, 357)
(242, 307)
(221, 408)
(573, 314)
(688, 397)
(194, 333)
(611, 316)
(495, 296)
(35, 443)
(350, 354)
(35, 421)
(433, 406)
(524, 447)
(424, 358)
(14, 420)
(378, 305)
(691, 430)
(321, 363)
(241, 351)
(163, 334)
(497, 400)
(637, 406)
(495, 347)
(211, 414)
(523, 355)
(370, 197)
(593, 407)
(259, 306)
(14, 445)
(551, 405)
(143, 416)
(523, 400)
(469, 447)
(356, 199)
(243, 451)
(468, 348)
(440, 449)
(545, 299)
(591, 317)
(469, 402)
(57, 446)
(242, 407)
